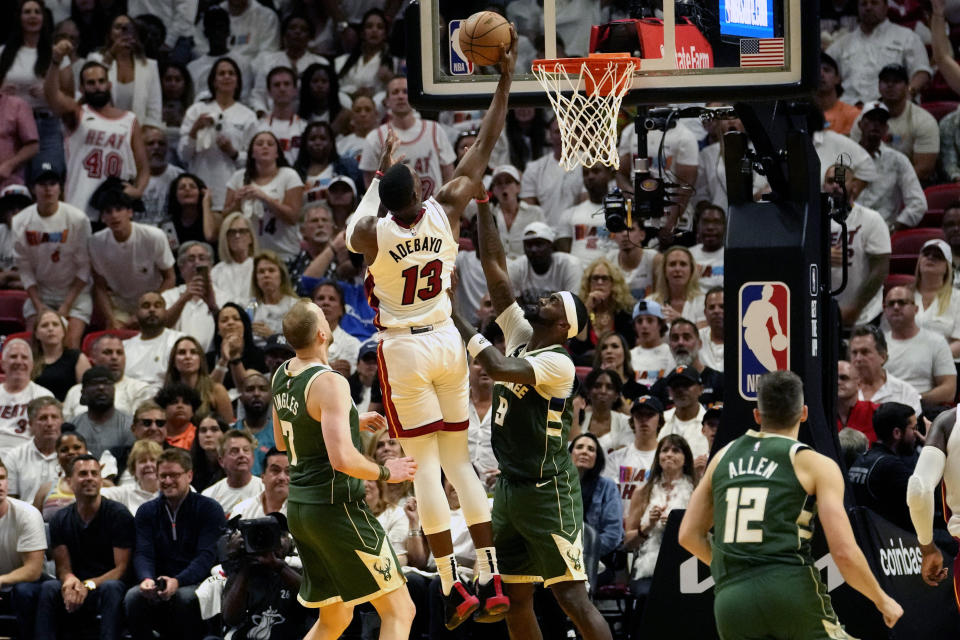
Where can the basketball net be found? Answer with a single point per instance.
(586, 93)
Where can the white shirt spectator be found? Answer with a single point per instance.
(134, 266)
(288, 132)
(22, 77)
(555, 189)
(255, 30)
(272, 232)
(913, 131)
(898, 197)
(471, 284)
(363, 74)
(710, 264)
(564, 274)
(231, 281)
(272, 315)
(640, 278)
(692, 310)
(21, 531)
(620, 434)
(585, 225)
(195, 318)
(155, 197)
(867, 235)
(651, 364)
(712, 179)
(946, 322)
(861, 57)
(690, 430)
(344, 347)
(711, 353)
(253, 508)
(129, 495)
(512, 238)
(918, 360)
(28, 469)
(629, 467)
(264, 63)
(177, 16)
(895, 390)
(143, 97)
(832, 146)
(128, 394)
(425, 146)
(229, 497)
(199, 71)
(147, 359)
(14, 425)
(478, 441)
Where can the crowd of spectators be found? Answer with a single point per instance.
(135, 406)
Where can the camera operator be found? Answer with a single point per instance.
(259, 600)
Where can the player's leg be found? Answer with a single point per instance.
(396, 614)
(521, 619)
(333, 621)
(573, 599)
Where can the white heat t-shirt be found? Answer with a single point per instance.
(867, 235)
(21, 531)
(585, 226)
(273, 232)
(14, 426)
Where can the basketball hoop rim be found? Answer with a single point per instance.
(595, 62)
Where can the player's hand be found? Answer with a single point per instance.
(390, 145)
(890, 609)
(372, 421)
(931, 569)
(61, 50)
(508, 55)
(401, 469)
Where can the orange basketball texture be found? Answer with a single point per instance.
(481, 36)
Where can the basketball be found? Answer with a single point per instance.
(779, 342)
(481, 36)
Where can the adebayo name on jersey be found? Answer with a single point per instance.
(405, 248)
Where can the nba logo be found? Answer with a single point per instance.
(764, 333)
(459, 65)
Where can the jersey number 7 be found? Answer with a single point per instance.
(411, 277)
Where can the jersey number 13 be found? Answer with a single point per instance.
(411, 278)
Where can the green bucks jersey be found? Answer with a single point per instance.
(762, 514)
(313, 480)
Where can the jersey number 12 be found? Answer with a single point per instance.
(744, 507)
(411, 278)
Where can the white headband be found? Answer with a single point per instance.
(570, 309)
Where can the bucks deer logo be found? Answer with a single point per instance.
(574, 556)
(386, 571)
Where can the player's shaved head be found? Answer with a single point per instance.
(780, 399)
(397, 190)
(301, 324)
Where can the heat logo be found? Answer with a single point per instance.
(764, 332)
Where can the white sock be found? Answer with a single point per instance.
(447, 568)
(487, 560)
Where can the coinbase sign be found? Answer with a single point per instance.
(748, 18)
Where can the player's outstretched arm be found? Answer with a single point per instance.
(331, 402)
(57, 99)
(920, 495)
(821, 477)
(698, 519)
(493, 258)
(361, 231)
(498, 366)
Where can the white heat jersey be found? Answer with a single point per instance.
(951, 478)
(407, 283)
(99, 148)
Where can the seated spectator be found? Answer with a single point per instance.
(875, 44)
(651, 358)
(711, 336)
(382, 447)
(55, 366)
(913, 130)
(31, 464)
(601, 410)
(142, 467)
(187, 365)
(685, 419)
(281, 118)
(840, 115)
(363, 120)
(938, 309)
(710, 226)
(276, 489)
(478, 432)
(677, 286)
(180, 402)
(235, 451)
(276, 351)
(579, 231)
(369, 67)
(364, 383)
(21, 555)
(685, 347)
(231, 276)
(636, 263)
(868, 354)
(102, 426)
(257, 417)
(162, 174)
(296, 31)
(709, 428)
(129, 260)
(831, 147)
(273, 295)
(542, 269)
(613, 353)
(323, 252)
(189, 210)
(605, 294)
(233, 350)
(868, 255)
(853, 444)
(344, 348)
(510, 213)
(601, 502)
(630, 466)
(92, 541)
(853, 412)
(16, 392)
(898, 197)
(319, 161)
(54, 495)
(12, 199)
(216, 29)
(177, 554)
(879, 477)
(191, 306)
(918, 356)
(669, 486)
(50, 250)
(546, 184)
(107, 351)
(711, 185)
(206, 460)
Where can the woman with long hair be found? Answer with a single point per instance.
(188, 365)
(269, 193)
(613, 353)
(601, 500)
(273, 295)
(605, 294)
(601, 410)
(370, 66)
(363, 120)
(669, 486)
(142, 467)
(214, 133)
(134, 78)
(938, 307)
(296, 31)
(320, 97)
(55, 367)
(233, 349)
(236, 247)
(677, 286)
(188, 209)
(380, 448)
(318, 161)
(203, 451)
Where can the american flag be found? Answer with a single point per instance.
(761, 52)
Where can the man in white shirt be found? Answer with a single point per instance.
(148, 353)
(511, 214)
(686, 417)
(868, 353)
(177, 16)
(216, 29)
(235, 451)
(162, 174)
(128, 260)
(276, 489)
(651, 358)
(629, 466)
(545, 184)
(898, 197)
(192, 306)
(868, 255)
(33, 463)
(918, 356)
(16, 392)
(283, 120)
(831, 148)
(877, 43)
(253, 29)
(129, 393)
(478, 431)
(711, 225)
(711, 182)
(711, 336)
(541, 270)
(583, 231)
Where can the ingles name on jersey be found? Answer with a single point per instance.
(288, 402)
(764, 333)
(403, 249)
